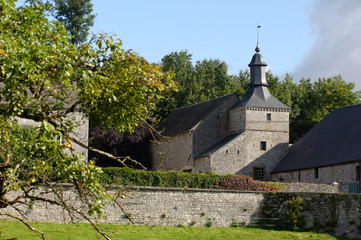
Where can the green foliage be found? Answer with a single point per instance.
(294, 218)
(310, 102)
(206, 80)
(76, 15)
(209, 224)
(238, 224)
(192, 223)
(131, 177)
(46, 78)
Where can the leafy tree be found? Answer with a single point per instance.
(46, 78)
(75, 14)
(213, 79)
(180, 63)
(311, 102)
(206, 80)
(134, 145)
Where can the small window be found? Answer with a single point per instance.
(316, 171)
(258, 174)
(358, 173)
(226, 151)
(269, 117)
(263, 145)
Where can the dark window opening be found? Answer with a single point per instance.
(316, 171)
(268, 117)
(263, 145)
(226, 151)
(258, 174)
(358, 173)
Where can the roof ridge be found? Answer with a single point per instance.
(210, 100)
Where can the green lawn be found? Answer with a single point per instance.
(14, 229)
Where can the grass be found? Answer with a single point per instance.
(53, 231)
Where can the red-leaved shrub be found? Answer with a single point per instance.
(248, 184)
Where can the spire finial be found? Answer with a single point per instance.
(257, 47)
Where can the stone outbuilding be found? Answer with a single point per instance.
(245, 136)
(329, 153)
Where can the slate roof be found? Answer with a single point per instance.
(185, 118)
(335, 140)
(221, 143)
(260, 97)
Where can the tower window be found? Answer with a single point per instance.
(263, 145)
(269, 118)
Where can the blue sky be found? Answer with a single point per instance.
(224, 30)
(305, 38)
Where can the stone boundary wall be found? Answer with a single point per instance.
(338, 214)
(312, 187)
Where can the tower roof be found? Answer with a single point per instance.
(258, 95)
(257, 59)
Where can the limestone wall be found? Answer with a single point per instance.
(343, 175)
(242, 119)
(257, 120)
(243, 153)
(213, 127)
(176, 153)
(338, 214)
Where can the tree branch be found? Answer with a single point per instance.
(39, 233)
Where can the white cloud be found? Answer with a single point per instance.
(336, 49)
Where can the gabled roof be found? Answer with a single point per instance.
(335, 140)
(260, 97)
(216, 146)
(185, 118)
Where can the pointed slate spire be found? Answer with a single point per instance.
(258, 95)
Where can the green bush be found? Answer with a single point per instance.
(294, 218)
(132, 177)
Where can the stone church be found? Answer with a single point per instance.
(247, 136)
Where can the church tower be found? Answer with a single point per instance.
(264, 120)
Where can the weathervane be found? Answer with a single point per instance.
(257, 48)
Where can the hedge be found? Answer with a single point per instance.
(131, 177)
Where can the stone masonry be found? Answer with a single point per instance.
(338, 213)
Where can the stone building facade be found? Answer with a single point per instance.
(245, 136)
(329, 153)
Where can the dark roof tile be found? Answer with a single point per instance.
(216, 146)
(335, 140)
(185, 118)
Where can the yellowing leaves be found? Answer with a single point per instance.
(67, 144)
